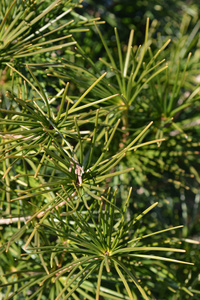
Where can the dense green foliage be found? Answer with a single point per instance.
(99, 150)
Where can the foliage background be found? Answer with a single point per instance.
(166, 172)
